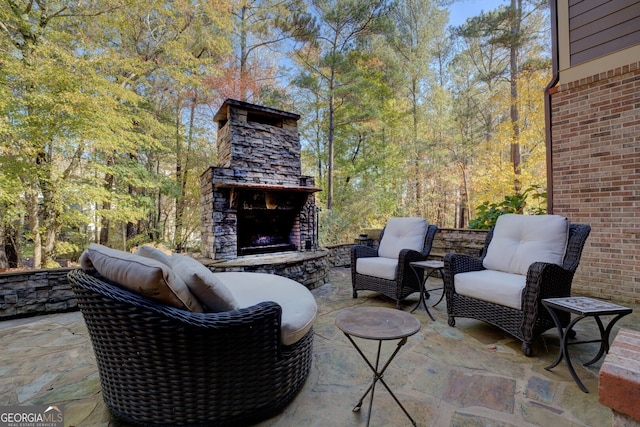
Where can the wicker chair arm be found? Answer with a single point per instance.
(361, 251)
(409, 255)
(261, 313)
(461, 263)
(405, 257)
(405, 276)
(545, 280)
(458, 263)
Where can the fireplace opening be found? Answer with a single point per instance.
(266, 221)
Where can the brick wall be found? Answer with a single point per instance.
(595, 126)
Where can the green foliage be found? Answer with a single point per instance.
(487, 213)
(105, 113)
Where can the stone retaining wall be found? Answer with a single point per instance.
(28, 293)
(33, 292)
(339, 255)
(458, 240)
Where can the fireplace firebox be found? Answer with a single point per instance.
(266, 221)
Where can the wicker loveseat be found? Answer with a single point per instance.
(387, 270)
(511, 300)
(162, 365)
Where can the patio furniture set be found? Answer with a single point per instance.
(235, 348)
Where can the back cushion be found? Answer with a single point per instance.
(140, 274)
(520, 240)
(402, 233)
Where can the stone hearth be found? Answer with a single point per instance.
(308, 268)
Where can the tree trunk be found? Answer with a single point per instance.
(31, 201)
(516, 16)
(182, 170)
(4, 262)
(330, 142)
(243, 54)
(414, 136)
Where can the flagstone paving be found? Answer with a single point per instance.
(470, 375)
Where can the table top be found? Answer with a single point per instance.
(585, 305)
(377, 323)
(427, 264)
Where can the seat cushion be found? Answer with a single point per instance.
(402, 233)
(143, 275)
(384, 268)
(204, 284)
(494, 286)
(520, 240)
(298, 304)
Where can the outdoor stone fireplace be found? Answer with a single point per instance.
(256, 202)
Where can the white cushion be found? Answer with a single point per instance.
(298, 305)
(384, 268)
(493, 286)
(203, 283)
(402, 233)
(520, 240)
(143, 275)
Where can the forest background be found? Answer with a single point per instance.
(107, 109)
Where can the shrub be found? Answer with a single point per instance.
(487, 213)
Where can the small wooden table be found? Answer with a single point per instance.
(430, 267)
(381, 324)
(583, 307)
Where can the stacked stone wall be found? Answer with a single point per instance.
(596, 177)
(339, 255)
(29, 293)
(457, 240)
(259, 146)
(34, 292)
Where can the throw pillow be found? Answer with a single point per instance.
(154, 253)
(203, 283)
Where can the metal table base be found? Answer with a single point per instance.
(377, 376)
(583, 307)
(378, 324)
(432, 267)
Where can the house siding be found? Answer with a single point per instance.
(595, 160)
(597, 28)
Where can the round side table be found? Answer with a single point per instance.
(380, 324)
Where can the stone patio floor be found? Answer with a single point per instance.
(470, 375)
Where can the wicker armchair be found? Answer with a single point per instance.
(160, 365)
(543, 280)
(405, 281)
